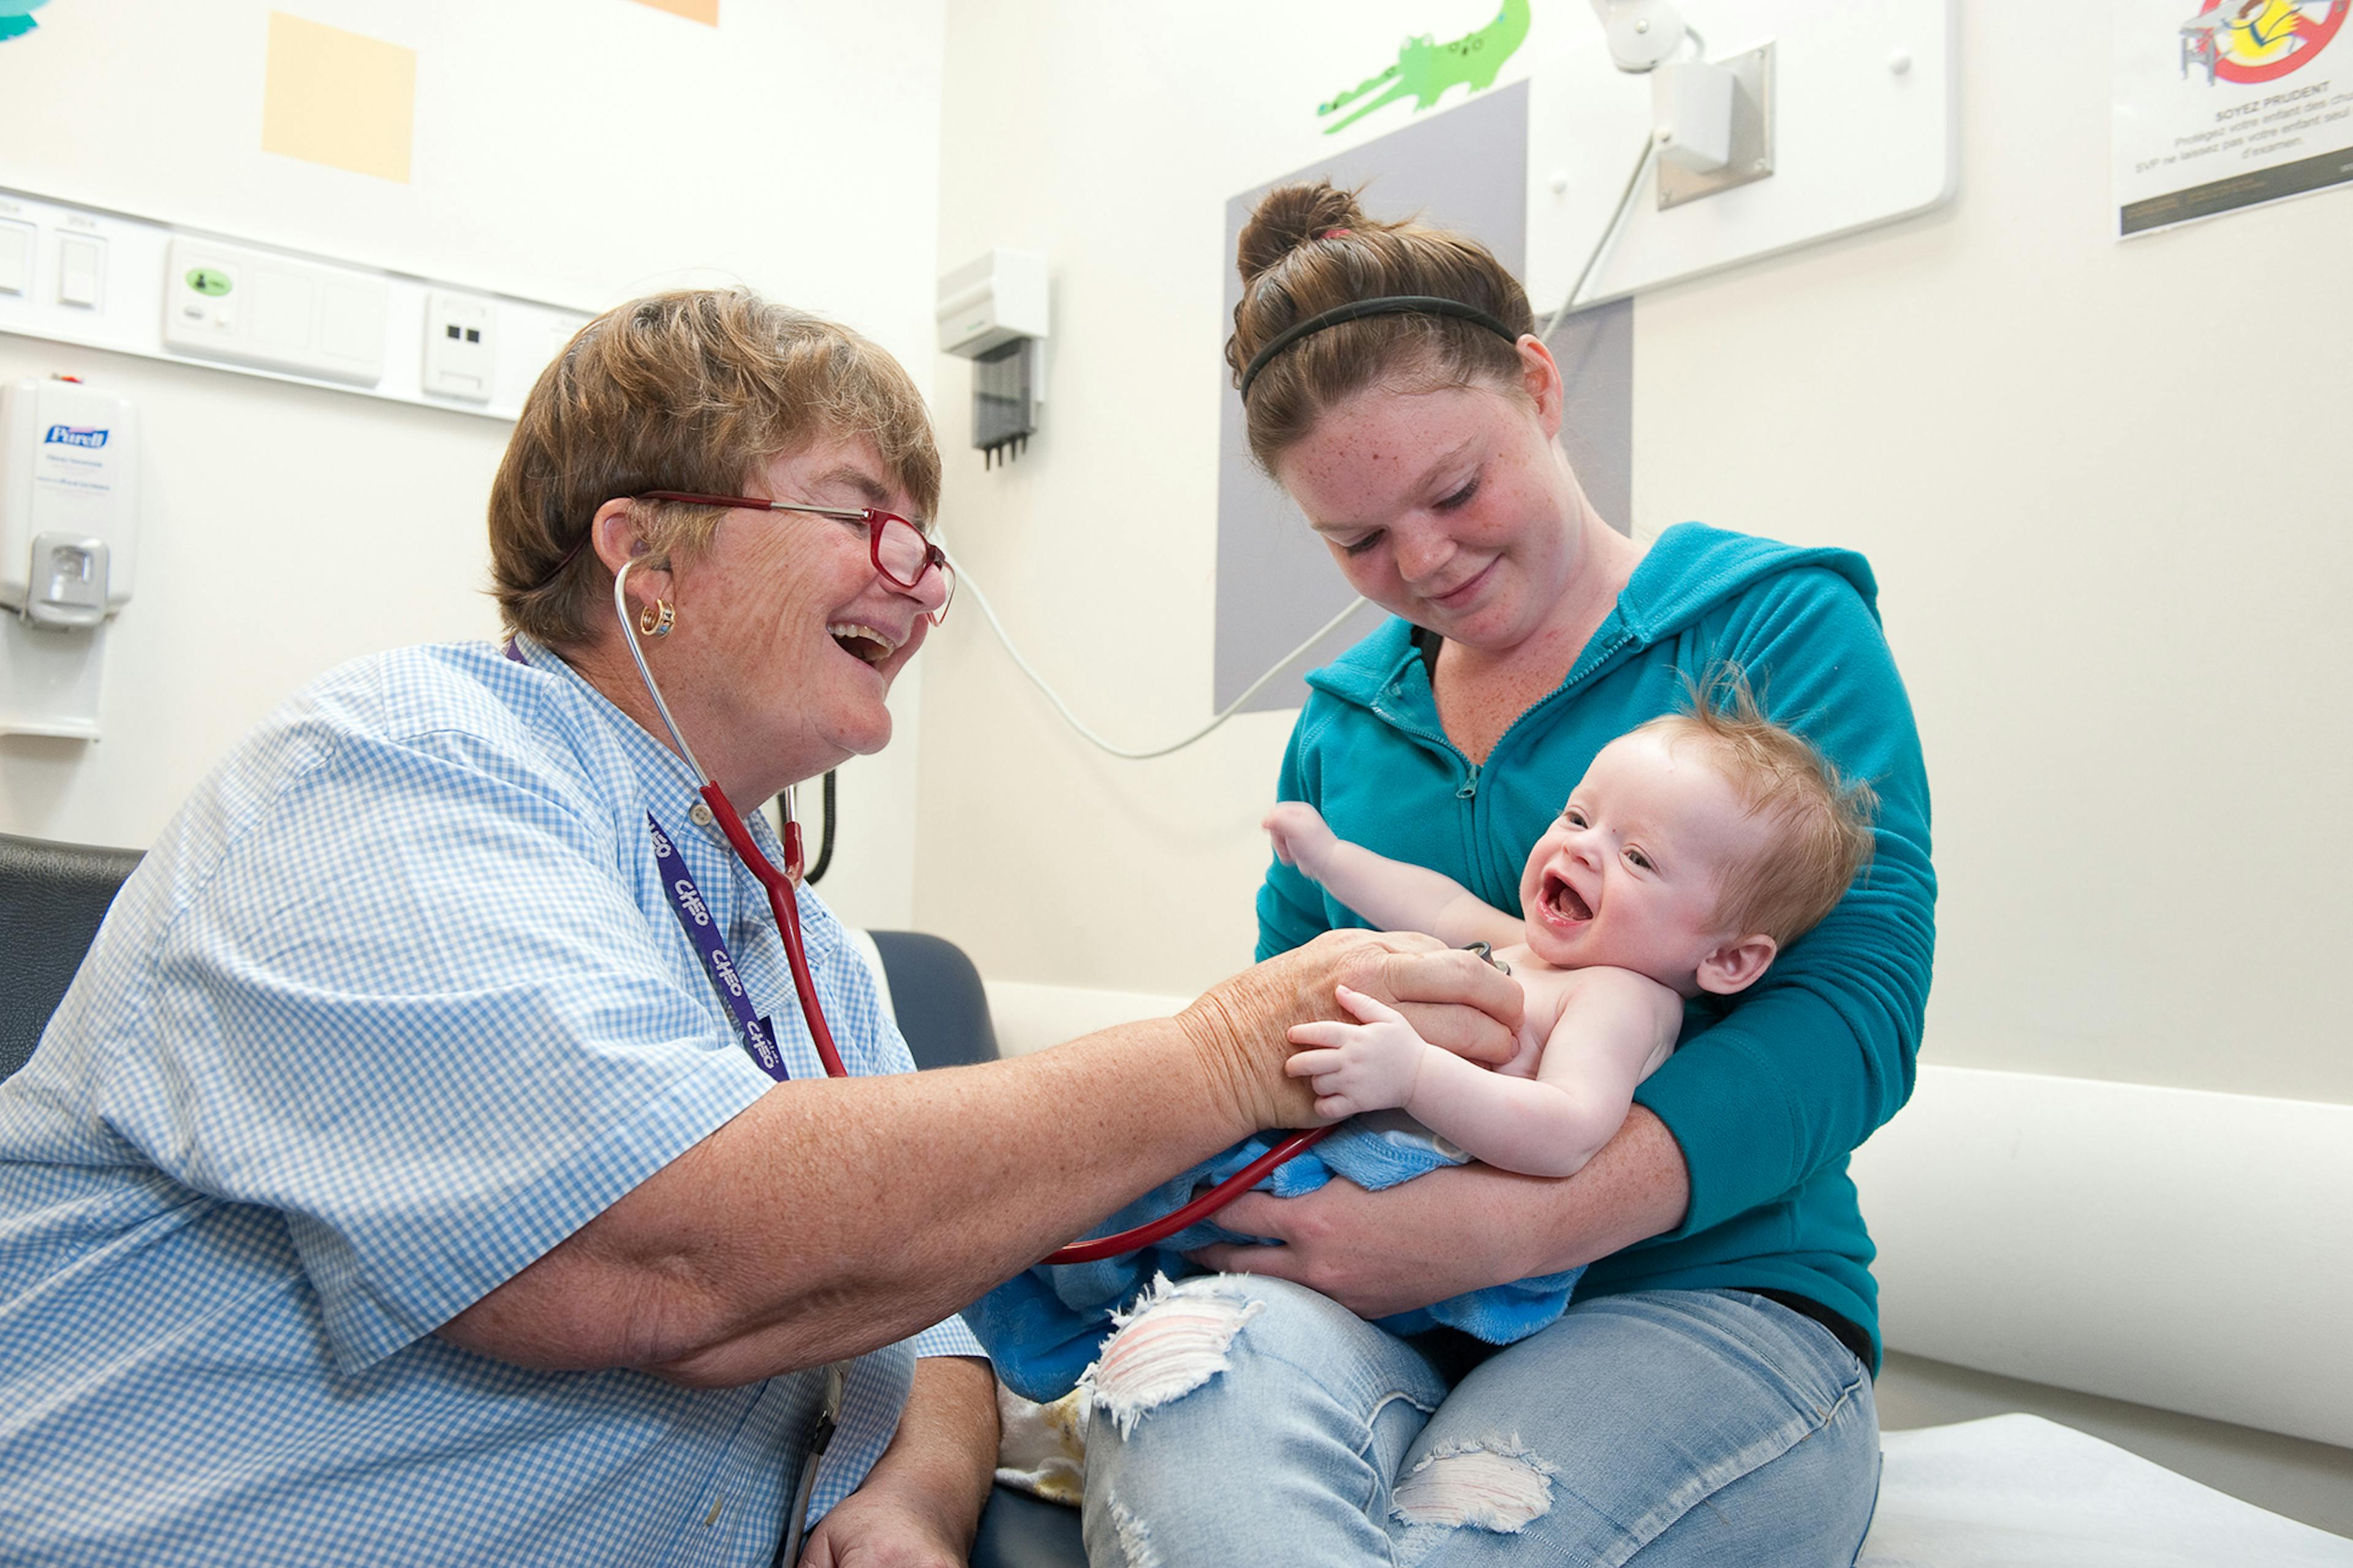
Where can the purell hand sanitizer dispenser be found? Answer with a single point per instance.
(69, 535)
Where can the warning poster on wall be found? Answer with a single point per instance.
(2245, 102)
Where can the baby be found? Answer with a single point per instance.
(1693, 850)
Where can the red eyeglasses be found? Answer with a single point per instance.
(899, 549)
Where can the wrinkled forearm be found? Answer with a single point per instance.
(943, 1456)
(835, 1217)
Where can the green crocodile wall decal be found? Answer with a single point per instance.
(1426, 69)
(16, 17)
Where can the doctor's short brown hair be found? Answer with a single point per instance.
(695, 390)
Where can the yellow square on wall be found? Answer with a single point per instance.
(703, 11)
(339, 99)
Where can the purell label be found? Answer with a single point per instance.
(75, 464)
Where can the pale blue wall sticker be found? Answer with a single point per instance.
(16, 18)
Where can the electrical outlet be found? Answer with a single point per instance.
(461, 345)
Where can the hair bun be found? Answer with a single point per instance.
(1288, 218)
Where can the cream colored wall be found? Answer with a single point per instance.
(2104, 486)
(577, 150)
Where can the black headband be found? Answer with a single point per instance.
(1357, 309)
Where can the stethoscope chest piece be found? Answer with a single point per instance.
(1486, 953)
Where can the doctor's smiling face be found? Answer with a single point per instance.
(793, 637)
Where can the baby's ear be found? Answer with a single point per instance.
(1737, 964)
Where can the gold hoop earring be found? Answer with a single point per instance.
(656, 619)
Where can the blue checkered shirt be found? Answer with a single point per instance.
(395, 1005)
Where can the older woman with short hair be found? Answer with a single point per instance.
(395, 1184)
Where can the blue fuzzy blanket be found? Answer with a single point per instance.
(1042, 1328)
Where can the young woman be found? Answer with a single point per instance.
(1707, 1397)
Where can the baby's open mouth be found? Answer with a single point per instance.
(862, 642)
(1562, 900)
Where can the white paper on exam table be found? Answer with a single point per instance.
(2018, 1491)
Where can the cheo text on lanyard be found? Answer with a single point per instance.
(686, 901)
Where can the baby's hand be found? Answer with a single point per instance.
(1370, 1066)
(1301, 836)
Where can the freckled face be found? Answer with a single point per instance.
(791, 621)
(1451, 508)
(1629, 873)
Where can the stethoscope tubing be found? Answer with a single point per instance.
(784, 903)
(1200, 1208)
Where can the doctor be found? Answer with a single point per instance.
(395, 1184)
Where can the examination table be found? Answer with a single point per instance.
(2009, 1491)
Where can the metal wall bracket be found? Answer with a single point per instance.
(1752, 135)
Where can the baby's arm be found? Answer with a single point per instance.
(1391, 894)
(1614, 1029)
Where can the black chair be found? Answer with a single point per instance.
(53, 898)
(943, 1013)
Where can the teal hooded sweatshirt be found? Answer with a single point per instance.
(1768, 1091)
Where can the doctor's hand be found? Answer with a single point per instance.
(863, 1532)
(918, 1505)
(1452, 999)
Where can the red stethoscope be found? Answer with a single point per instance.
(783, 903)
(779, 886)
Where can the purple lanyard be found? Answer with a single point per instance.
(695, 918)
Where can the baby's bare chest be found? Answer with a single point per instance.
(1545, 991)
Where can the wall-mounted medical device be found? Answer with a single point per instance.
(993, 312)
(1768, 124)
(1642, 34)
(1711, 120)
(69, 542)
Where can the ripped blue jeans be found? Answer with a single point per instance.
(1243, 1419)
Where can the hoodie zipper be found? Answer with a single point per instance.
(1589, 665)
(1477, 829)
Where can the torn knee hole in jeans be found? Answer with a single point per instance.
(1136, 1548)
(1492, 1485)
(1172, 1341)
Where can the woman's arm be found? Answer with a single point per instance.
(1821, 1051)
(1391, 894)
(834, 1217)
(920, 1503)
(1459, 1229)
